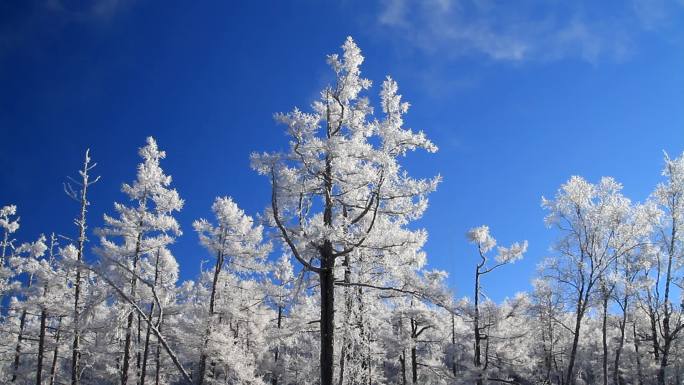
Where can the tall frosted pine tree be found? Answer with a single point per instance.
(341, 178)
(143, 228)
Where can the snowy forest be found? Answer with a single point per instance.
(329, 284)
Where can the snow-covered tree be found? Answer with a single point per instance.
(9, 224)
(340, 179)
(143, 229)
(481, 237)
(667, 318)
(79, 195)
(24, 262)
(238, 247)
(598, 226)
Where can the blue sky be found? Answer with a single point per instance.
(519, 96)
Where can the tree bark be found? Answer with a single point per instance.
(402, 361)
(327, 281)
(138, 353)
(55, 353)
(17, 350)
(617, 377)
(667, 332)
(664, 361)
(131, 315)
(453, 344)
(581, 307)
(348, 308)
(202, 366)
(43, 321)
(149, 325)
(604, 337)
(276, 354)
(41, 347)
(157, 358)
(477, 356)
(414, 365)
(640, 374)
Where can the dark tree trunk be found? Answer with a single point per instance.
(654, 334)
(276, 354)
(664, 361)
(17, 350)
(55, 353)
(348, 308)
(127, 350)
(149, 325)
(41, 347)
(669, 331)
(402, 361)
(129, 323)
(76, 344)
(43, 320)
(453, 344)
(146, 349)
(617, 377)
(414, 365)
(157, 359)
(604, 337)
(569, 379)
(640, 374)
(202, 367)
(327, 280)
(477, 331)
(581, 307)
(138, 353)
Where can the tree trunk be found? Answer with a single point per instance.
(138, 353)
(146, 349)
(81, 222)
(364, 335)
(667, 332)
(274, 380)
(157, 359)
(604, 337)
(43, 321)
(55, 353)
(402, 361)
(664, 360)
(131, 315)
(149, 325)
(17, 350)
(327, 280)
(348, 309)
(202, 366)
(414, 365)
(127, 350)
(654, 334)
(570, 379)
(41, 347)
(477, 356)
(640, 374)
(453, 344)
(617, 377)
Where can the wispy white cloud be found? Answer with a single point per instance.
(524, 29)
(51, 16)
